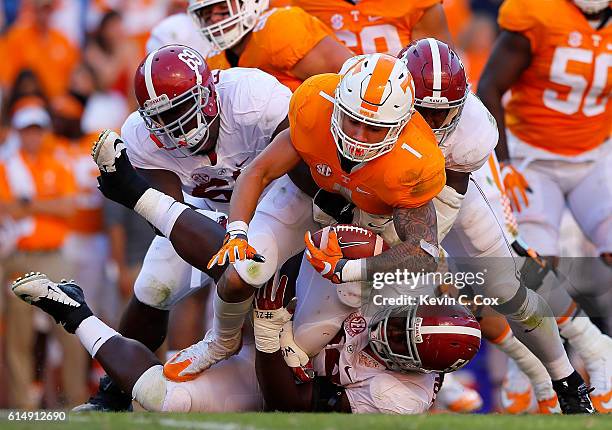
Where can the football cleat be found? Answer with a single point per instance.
(517, 396)
(549, 406)
(64, 301)
(456, 397)
(109, 398)
(573, 395)
(599, 368)
(106, 150)
(188, 363)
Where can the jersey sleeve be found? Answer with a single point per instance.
(474, 140)
(399, 9)
(518, 16)
(286, 35)
(260, 99)
(302, 118)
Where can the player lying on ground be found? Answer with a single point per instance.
(380, 372)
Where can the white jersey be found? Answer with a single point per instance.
(252, 105)
(369, 385)
(178, 29)
(475, 137)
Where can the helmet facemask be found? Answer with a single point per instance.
(181, 124)
(591, 7)
(453, 111)
(354, 149)
(243, 15)
(392, 333)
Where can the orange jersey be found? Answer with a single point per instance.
(561, 101)
(371, 25)
(51, 56)
(410, 175)
(280, 39)
(51, 180)
(88, 217)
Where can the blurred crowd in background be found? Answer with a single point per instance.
(66, 74)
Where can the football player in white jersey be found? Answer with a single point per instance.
(178, 29)
(374, 365)
(475, 232)
(193, 133)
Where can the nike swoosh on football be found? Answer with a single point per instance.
(349, 244)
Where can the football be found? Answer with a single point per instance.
(355, 242)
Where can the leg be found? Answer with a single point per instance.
(591, 204)
(496, 330)
(276, 231)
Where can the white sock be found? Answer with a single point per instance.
(93, 333)
(160, 210)
(526, 361)
(229, 317)
(582, 335)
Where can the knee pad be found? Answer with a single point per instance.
(150, 389)
(254, 273)
(526, 305)
(483, 229)
(178, 399)
(164, 277)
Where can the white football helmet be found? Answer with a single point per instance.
(591, 6)
(243, 15)
(377, 90)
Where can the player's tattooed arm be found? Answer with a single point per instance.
(417, 228)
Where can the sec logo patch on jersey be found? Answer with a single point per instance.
(324, 170)
(355, 324)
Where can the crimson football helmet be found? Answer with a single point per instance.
(425, 338)
(177, 99)
(440, 84)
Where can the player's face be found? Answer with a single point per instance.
(363, 132)
(434, 117)
(216, 13)
(396, 335)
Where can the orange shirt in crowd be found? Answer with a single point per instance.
(51, 181)
(88, 216)
(50, 55)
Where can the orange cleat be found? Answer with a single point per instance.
(549, 406)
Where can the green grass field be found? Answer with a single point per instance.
(257, 421)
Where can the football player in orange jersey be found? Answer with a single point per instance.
(369, 110)
(285, 42)
(370, 26)
(555, 57)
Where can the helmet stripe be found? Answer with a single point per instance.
(378, 80)
(149, 76)
(450, 329)
(437, 67)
